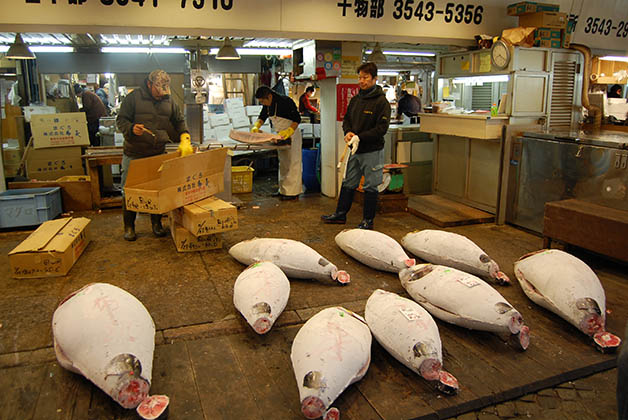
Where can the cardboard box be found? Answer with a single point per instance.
(54, 162)
(11, 153)
(51, 250)
(184, 241)
(58, 130)
(548, 43)
(544, 20)
(162, 183)
(526, 7)
(208, 216)
(547, 33)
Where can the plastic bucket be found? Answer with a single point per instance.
(310, 170)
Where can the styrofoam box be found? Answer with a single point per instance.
(217, 120)
(118, 139)
(253, 110)
(240, 121)
(317, 130)
(234, 103)
(222, 132)
(236, 113)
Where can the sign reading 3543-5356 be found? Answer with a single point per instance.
(427, 11)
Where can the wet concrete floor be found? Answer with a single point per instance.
(213, 366)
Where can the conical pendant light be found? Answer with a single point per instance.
(377, 56)
(227, 52)
(19, 50)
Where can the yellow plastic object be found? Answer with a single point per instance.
(241, 179)
(286, 133)
(185, 147)
(256, 126)
(74, 178)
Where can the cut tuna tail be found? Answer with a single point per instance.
(592, 323)
(502, 279)
(447, 383)
(606, 342)
(430, 369)
(132, 392)
(410, 262)
(262, 325)
(521, 340)
(154, 407)
(342, 277)
(332, 414)
(312, 407)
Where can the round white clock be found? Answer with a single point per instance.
(500, 54)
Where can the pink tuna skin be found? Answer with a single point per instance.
(312, 407)
(262, 325)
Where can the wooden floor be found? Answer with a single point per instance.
(444, 212)
(213, 366)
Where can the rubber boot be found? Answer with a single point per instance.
(370, 208)
(344, 205)
(158, 229)
(129, 224)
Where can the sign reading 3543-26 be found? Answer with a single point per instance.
(606, 27)
(427, 11)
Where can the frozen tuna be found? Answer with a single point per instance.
(330, 352)
(465, 300)
(375, 249)
(295, 259)
(408, 332)
(453, 250)
(260, 294)
(154, 407)
(565, 285)
(107, 335)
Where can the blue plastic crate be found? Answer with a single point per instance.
(29, 206)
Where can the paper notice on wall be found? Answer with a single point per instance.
(485, 63)
(349, 69)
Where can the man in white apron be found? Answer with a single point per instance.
(285, 118)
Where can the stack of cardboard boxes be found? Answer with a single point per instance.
(553, 29)
(57, 145)
(184, 187)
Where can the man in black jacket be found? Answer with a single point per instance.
(149, 119)
(364, 125)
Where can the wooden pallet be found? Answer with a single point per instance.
(444, 212)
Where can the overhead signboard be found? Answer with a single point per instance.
(600, 24)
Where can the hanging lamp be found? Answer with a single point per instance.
(227, 52)
(377, 56)
(19, 50)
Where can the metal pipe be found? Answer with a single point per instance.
(594, 111)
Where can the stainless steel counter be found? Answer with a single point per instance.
(561, 165)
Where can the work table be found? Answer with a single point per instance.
(478, 126)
